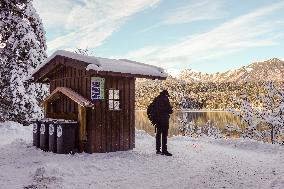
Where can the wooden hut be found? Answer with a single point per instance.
(99, 93)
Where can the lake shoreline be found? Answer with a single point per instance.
(191, 110)
(217, 118)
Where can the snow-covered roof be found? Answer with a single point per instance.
(109, 65)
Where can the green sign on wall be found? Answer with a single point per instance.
(97, 88)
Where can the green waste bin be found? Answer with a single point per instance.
(36, 133)
(52, 141)
(66, 137)
(44, 136)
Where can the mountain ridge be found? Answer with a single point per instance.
(272, 69)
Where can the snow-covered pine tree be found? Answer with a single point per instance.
(270, 113)
(22, 48)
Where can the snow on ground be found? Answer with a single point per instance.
(10, 131)
(197, 163)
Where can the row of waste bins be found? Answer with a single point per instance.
(55, 135)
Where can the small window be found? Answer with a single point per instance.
(113, 102)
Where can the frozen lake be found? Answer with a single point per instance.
(218, 118)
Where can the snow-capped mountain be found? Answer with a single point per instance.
(272, 69)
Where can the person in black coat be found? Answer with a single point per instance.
(161, 114)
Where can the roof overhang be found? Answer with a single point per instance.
(80, 100)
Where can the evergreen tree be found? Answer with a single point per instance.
(22, 48)
(270, 113)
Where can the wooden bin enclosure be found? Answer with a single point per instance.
(97, 92)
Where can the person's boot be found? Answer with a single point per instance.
(166, 153)
(158, 152)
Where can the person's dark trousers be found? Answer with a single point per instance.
(164, 134)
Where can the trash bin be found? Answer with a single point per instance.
(52, 140)
(44, 136)
(66, 137)
(36, 133)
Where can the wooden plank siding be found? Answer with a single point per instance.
(126, 127)
(89, 147)
(120, 87)
(108, 118)
(132, 113)
(98, 127)
(107, 130)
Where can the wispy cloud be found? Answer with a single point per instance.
(193, 11)
(196, 11)
(88, 23)
(255, 29)
(54, 15)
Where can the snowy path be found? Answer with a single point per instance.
(202, 163)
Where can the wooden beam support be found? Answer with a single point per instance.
(82, 127)
(45, 106)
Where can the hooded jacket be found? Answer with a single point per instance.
(162, 110)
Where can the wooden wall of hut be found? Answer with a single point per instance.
(107, 130)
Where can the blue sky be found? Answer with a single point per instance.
(204, 35)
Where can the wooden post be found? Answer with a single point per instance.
(82, 127)
(45, 106)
